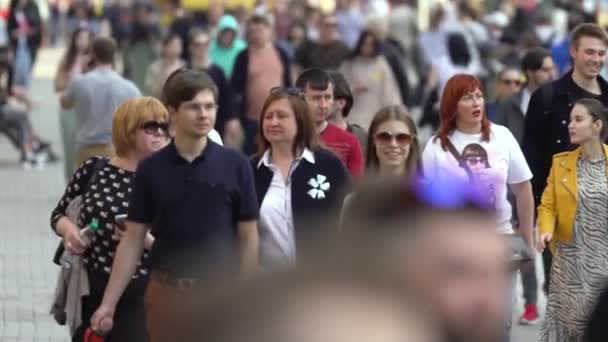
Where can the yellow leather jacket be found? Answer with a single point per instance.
(558, 205)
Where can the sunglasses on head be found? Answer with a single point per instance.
(400, 138)
(290, 91)
(152, 127)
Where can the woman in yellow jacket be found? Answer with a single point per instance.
(573, 221)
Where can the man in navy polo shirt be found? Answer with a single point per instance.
(199, 200)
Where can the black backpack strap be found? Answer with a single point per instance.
(99, 164)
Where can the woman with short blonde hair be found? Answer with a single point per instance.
(140, 127)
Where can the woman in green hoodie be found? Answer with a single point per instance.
(227, 45)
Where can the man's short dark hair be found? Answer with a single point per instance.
(183, 85)
(587, 30)
(317, 79)
(534, 58)
(342, 91)
(170, 37)
(103, 50)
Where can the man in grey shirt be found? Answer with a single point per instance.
(95, 96)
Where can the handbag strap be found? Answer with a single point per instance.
(452, 149)
(99, 164)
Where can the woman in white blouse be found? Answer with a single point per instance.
(298, 183)
(469, 148)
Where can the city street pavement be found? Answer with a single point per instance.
(27, 274)
(27, 243)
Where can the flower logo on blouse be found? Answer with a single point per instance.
(319, 186)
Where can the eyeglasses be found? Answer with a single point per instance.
(400, 138)
(152, 127)
(289, 91)
(195, 106)
(472, 97)
(511, 82)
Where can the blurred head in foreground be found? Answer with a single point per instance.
(439, 242)
(328, 304)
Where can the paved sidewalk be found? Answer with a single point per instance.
(27, 275)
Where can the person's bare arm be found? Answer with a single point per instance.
(61, 78)
(70, 232)
(248, 246)
(128, 253)
(525, 210)
(149, 241)
(65, 102)
(61, 81)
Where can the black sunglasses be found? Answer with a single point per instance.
(152, 127)
(400, 138)
(290, 91)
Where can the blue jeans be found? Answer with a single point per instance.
(23, 64)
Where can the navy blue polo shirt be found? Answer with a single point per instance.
(194, 208)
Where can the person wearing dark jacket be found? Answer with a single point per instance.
(258, 68)
(548, 114)
(298, 183)
(546, 123)
(538, 67)
(226, 121)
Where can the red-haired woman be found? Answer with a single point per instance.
(468, 147)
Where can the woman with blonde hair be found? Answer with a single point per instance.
(393, 148)
(139, 128)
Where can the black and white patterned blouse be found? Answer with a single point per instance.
(105, 198)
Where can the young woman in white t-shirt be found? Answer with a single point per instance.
(485, 154)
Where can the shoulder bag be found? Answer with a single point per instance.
(72, 212)
(520, 253)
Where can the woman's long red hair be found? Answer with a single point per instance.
(457, 87)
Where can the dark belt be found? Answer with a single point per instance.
(183, 284)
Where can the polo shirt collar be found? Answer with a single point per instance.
(211, 146)
(307, 155)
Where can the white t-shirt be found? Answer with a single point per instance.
(494, 164)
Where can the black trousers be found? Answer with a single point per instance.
(129, 318)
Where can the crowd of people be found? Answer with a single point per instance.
(274, 178)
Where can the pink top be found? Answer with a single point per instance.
(265, 72)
